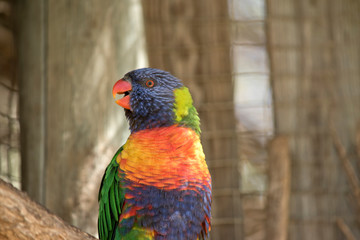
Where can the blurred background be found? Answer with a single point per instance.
(276, 84)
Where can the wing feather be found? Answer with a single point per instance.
(111, 199)
(113, 202)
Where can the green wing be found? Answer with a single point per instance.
(111, 198)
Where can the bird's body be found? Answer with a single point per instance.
(158, 185)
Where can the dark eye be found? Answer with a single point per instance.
(150, 83)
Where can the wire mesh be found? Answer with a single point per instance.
(191, 40)
(309, 45)
(9, 120)
(9, 136)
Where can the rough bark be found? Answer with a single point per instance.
(21, 218)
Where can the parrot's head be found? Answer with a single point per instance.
(154, 98)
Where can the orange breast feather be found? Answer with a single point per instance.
(168, 157)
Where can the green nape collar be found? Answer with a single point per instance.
(185, 112)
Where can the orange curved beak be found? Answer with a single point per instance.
(122, 87)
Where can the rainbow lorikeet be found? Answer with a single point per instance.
(157, 186)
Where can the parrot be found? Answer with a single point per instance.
(157, 185)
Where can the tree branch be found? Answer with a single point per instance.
(345, 229)
(349, 170)
(279, 188)
(21, 218)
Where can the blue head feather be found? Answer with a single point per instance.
(151, 107)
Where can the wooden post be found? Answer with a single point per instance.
(279, 189)
(70, 55)
(31, 33)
